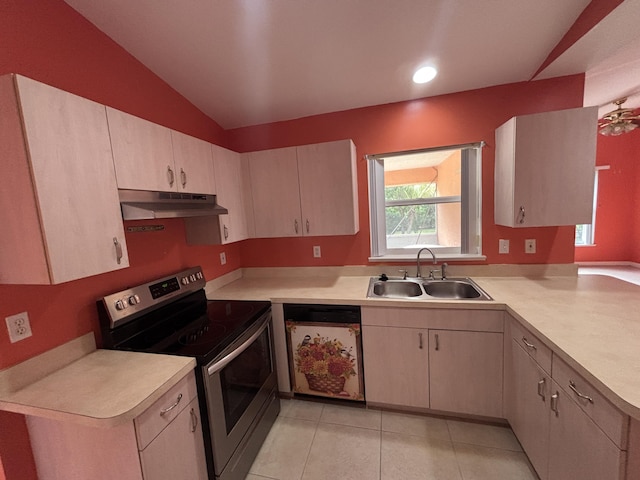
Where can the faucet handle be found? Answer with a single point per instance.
(404, 274)
(383, 277)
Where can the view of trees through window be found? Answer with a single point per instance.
(410, 219)
(422, 199)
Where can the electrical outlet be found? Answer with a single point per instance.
(316, 251)
(18, 326)
(223, 258)
(503, 246)
(530, 245)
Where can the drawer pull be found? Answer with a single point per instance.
(527, 344)
(541, 388)
(194, 421)
(168, 409)
(572, 386)
(420, 341)
(554, 402)
(437, 342)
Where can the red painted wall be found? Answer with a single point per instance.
(48, 41)
(457, 118)
(617, 232)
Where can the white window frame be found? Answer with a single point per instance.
(590, 228)
(470, 198)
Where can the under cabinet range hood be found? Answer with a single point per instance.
(144, 205)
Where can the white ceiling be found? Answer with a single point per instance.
(247, 62)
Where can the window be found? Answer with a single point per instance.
(426, 198)
(585, 233)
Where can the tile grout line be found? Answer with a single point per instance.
(315, 432)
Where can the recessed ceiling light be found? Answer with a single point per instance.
(424, 74)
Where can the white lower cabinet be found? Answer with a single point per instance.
(527, 392)
(179, 451)
(165, 442)
(396, 363)
(567, 429)
(438, 359)
(465, 372)
(578, 448)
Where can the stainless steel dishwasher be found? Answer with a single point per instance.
(324, 346)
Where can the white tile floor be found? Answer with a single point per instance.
(324, 441)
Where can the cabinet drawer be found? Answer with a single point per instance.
(611, 420)
(532, 345)
(150, 423)
(472, 320)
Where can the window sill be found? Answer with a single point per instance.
(445, 257)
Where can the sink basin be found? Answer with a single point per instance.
(451, 289)
(426, 289)
(395, 289)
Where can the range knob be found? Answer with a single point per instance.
(121, 304)
(192, 278)
(134, 300)
(199, 276)
(185, 280)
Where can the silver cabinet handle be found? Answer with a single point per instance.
(420, 340)
(572, 386)
(554, 402)
(295, 225)
(194, 421)
(437, 342)
(226, 232)
(527, 344)
(168, 409)
(307, 225)
(541, 389)
(170, 176)
(183, 178)
(521, 215)
(118, 250)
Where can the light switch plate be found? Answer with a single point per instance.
(223, 258)
(530, 245)
(316, 251)
(503, 246)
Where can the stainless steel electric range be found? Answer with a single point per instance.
(232, 342)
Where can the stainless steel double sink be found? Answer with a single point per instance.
(426, 289)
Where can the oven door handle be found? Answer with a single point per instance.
(224, 361)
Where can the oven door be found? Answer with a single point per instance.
(239, 384)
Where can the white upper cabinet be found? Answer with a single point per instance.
(232, 194)
(275, 192)
(545, 168)
(309, 190)
(193, 161)
(59, 205)
(328, 188)
(142, 153)
(148, 156)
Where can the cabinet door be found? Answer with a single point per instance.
(465, 372)
(328, 188)
(527, 397)
(577, 446)
(545, 168)
(178, 452)
(231, 191)
(396, 365)
(275, 192)
(142, 153)
(194, 164)
(74, 181)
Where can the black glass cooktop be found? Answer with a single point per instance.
(191, 326)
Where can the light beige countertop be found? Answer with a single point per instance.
(592, 322)
(101, 388)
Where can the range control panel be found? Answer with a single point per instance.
(132, 302)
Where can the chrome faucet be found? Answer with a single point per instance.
(418, 274)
